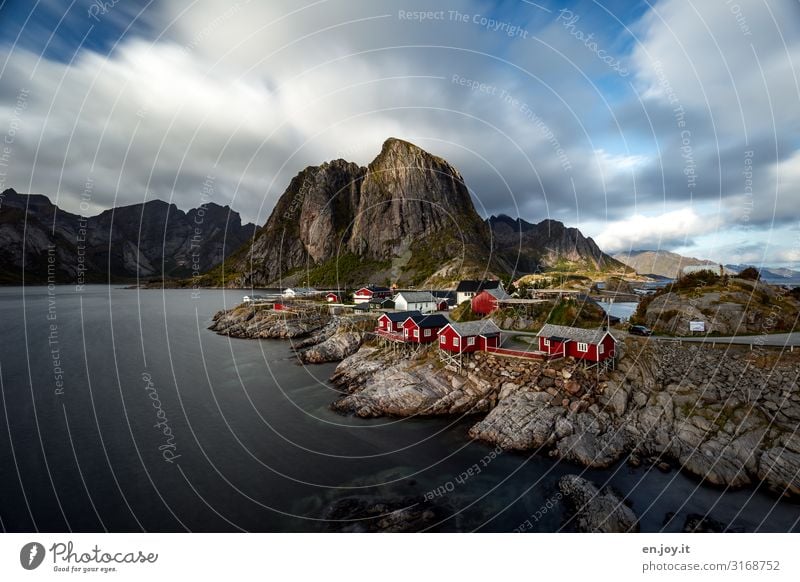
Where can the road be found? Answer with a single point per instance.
(773, 339)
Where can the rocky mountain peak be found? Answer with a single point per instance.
(406, 215)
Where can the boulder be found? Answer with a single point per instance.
(590, 509)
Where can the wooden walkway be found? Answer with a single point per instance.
(535, 355)
(390, 335)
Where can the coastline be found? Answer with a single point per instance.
(689, 407)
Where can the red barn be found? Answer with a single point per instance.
(468, 337)
(364, 294)
(485, 302)
(594, 345)
(423, 329)
(393, 322)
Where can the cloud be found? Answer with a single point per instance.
(253, 92)
(663, 231)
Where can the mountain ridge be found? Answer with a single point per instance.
(153, 239)
(548, 244)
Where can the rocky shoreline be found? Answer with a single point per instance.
(726, 416)
(317, 336)
(720, 415)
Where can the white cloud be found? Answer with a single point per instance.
(667, 230)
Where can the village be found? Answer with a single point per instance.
(549, 370)
(460, 321)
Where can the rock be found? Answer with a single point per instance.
(262, 323)
(333, 349)
(779, 468)
(590, 509)
(361, 514)
(520, 422)
(615, 398)
(507, 389)
(590, 447)
(696, 523)
(563, 427)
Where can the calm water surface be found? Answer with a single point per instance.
(122, 412)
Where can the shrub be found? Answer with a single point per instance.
(749, 274)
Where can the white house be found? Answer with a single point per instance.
(421, 301)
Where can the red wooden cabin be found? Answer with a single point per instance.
(468, 337)
(485, 302)
(331, 297)
(364, 294)
(393, 322)
(423, 329)
(594, 345)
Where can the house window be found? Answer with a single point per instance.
(583, 347)
(442, 340)
(427, 333)
(470, 341)
(416, 333)
(546, 342)
(455, 342)
(600, 349)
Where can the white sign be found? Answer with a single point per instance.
(697, 326)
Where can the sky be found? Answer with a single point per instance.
(669, 124)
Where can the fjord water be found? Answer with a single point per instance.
(122, 412)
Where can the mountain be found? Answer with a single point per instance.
(407, 218)
(662, 263)
(548, 244)
(774, 275)
(149, 240)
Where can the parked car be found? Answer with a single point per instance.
(640, 330)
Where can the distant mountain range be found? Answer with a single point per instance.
(661, 263)
(407, 218)
(547, 245)
(668, 264)
(149, 240)
(771, 275)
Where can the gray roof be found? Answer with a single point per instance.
(498, 293)
(482, 327)
(416, 297)
(590, 336)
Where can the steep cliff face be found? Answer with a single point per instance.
(546, 245)
(409, 195)
(310, 224)
(150, 240)
(399, 220)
